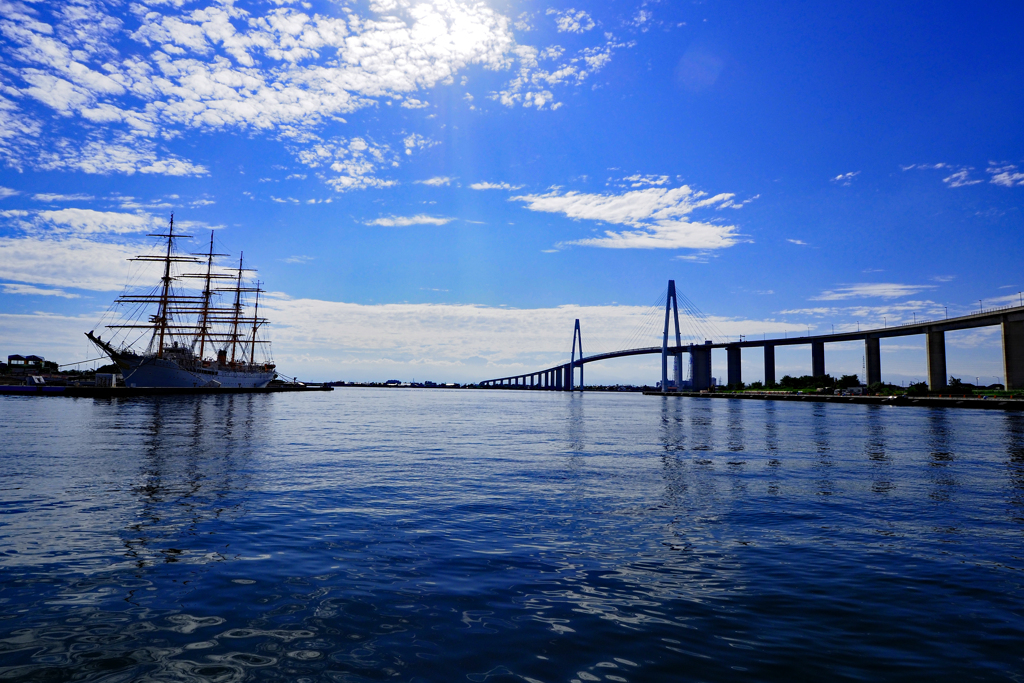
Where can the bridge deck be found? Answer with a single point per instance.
(984, 318)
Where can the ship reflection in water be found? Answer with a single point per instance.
(491, 536)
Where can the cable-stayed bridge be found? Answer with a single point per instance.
(702, 334)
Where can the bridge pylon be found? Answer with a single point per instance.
(572, 361)
(671, 309)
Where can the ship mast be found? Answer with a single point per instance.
(207, 292)
(238, 309)
(255, 324)
(162, 315)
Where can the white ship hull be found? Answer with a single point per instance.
(157, 372)
(150, 372)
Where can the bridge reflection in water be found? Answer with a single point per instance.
(1009, 318)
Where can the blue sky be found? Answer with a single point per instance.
(436, 190)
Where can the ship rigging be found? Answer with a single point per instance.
(185, 326)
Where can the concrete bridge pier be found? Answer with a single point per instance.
(872, 361)
(1013, 354)
(817, 359)
(735, 371)
(769, 364)
(700, 367)
(935, 346)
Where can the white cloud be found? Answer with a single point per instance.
(799, 242)
(523, 22)
(322, 340)
(1006, 175)
(1002, 174)
(495, 186)
(52, 197)
(403, 221)
(36, 291)
(640, 19)
(73, 262)
(6, 192)
(638, 180)
(469, 342)
(884, 290)
(417, 141)
(356, 162)
(299, 259)
(531, 87)
(436, 181)
(83, 222)
(74, 248)
(960, 178)
(845, 178)
(572, 20)
(126, 156)
(657, 215)
(130, 77)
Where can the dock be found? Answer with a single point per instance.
(130, 392)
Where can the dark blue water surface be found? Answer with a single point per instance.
(418, 535)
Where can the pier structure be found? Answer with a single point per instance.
(1010, 319)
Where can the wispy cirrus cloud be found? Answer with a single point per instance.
(495, 186)
(6, 192)
(36, 291)
(1005, 175)
(51, 197)
(405, 221)
(658, 217)
(436, 181)
(640, 180)
(961, 178)
(867, 290)
(845, 178)
(1000, 173)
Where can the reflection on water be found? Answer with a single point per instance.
(500, 536)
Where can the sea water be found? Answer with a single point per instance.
(460, 535)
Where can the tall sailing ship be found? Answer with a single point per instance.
(206, 338)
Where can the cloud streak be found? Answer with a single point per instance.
(405, 221)
(868, 290)
(658, 217)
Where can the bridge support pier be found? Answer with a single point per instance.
(769, 364)
(700, 367)
(735, 370)
(872, 361)
(935, 346)
(818, 359)
(1013, 354)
